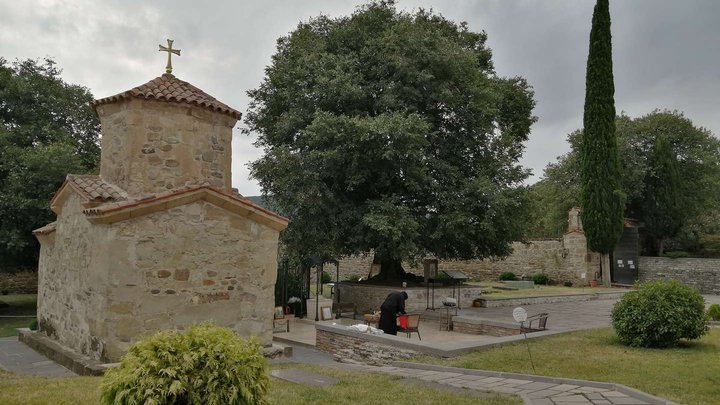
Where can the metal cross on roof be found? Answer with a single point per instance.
(169, 49)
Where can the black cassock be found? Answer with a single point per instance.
(394, 304)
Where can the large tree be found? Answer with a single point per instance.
(47, 129)
(697, 153)
(390, 132)
(601, 196)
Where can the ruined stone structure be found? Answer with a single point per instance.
(159, 239)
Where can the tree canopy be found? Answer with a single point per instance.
(697, 154)
(47, 129)
(390, 132)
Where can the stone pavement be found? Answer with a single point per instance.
(535, 390)
(18, 358)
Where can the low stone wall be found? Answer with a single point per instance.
(368, 298)
(703, 274)
(477, 326)
(490, 302)
(345, 346)
(24, 282)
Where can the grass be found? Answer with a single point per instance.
(353, 388)
(539, 290)
(688, 374)
(16, 305)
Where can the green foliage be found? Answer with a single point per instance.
(601, 197)
(663, 214)
(713, 312)
(659, 314)
(391, 132)
(710, 245)
(508, 276)
(568, 284)
(203, 365)
(540, 279)
(354, 278)
(676, 254)
(33, 324)
(47, 129)
(5, 292)
(326, 277)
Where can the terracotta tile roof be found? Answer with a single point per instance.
(169, 88)
(93, 188)
(45, 230)
(122, 210)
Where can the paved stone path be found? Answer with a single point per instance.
(17, 357)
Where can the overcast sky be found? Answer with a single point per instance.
(666, 52)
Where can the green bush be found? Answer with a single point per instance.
(204, 365)
(659, 314)
(354, 278)
(568, 284)
(326, 277)
(713, 312)
(678, 254)
(508, 276)
(710, 245)
(5, 292)
(33, 324)
(540, 279)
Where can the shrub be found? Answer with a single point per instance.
(540, 279)
(33, 324)
(204, 365)
(568, 284)
(678, 254)
(713, 312)
(710, 245)
(659, 314)
(354, 278)
(326, 277)
(5, 292)
(508, 276)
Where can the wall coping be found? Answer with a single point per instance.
(588, 295)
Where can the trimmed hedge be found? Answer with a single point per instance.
(659, 314)
(204, 365)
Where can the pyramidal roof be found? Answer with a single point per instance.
(169, 88)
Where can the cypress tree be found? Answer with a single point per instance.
(601, 192)
(663, 214)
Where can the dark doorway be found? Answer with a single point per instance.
(625, 257)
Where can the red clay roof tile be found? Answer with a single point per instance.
(169, 88)
(94, 188)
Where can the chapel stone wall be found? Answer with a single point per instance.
(150, 147)
(71, 281)
(189, 264)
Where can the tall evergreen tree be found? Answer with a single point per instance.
(601, 190)
(663, 212)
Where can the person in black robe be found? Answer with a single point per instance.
(393, 305)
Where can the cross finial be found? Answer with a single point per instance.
(169, 49)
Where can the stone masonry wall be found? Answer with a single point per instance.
(22, 282)
(71, 280)
(483, 329)
(565, 259)
(703, 274)
(150, 147)
(355, 348)
(189, 264)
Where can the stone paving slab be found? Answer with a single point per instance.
(304, 377)
(18, 358)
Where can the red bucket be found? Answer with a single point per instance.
(403, 321)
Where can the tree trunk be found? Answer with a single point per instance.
(605, 269)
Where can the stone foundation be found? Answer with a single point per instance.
(476, 326)
(346, 346)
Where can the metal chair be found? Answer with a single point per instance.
(413, 321)
(540, 319)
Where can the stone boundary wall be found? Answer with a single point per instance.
(368, 298)
(703, 274)
(24, 282)
(565, 259)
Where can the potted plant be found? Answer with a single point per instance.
(593, 283)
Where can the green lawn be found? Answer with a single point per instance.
(16, 305)
(353, 388)
(689, 374)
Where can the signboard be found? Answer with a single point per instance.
(520, 314)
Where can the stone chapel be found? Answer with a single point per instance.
(159, 239)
